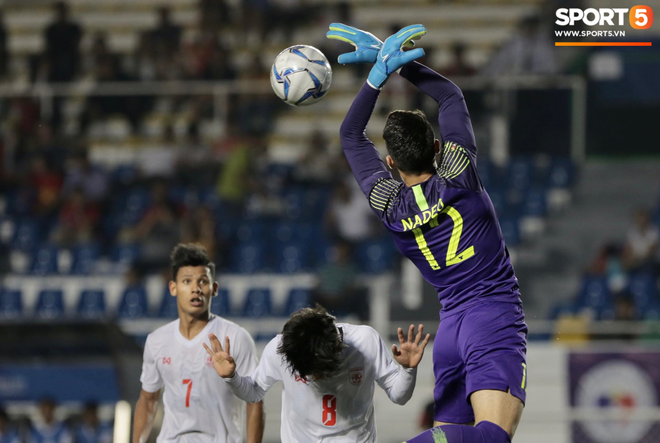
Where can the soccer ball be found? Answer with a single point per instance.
(301, 75)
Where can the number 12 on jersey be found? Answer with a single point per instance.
(329, 417)
(453, 257)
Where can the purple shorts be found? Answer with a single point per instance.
(483, 347)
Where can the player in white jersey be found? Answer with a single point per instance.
(328, 371)
(199, 407)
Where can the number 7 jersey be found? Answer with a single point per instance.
(198, 405)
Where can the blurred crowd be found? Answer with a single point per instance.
(47, 427)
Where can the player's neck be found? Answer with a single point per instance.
(190, 326)
(412, 180)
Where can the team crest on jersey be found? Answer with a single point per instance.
(167, 360)
(209, 361)
(356, 375)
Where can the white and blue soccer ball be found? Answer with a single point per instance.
(301, 75)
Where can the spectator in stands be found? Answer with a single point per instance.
(46, 184)
(458, 66)
(80, 173)
(49, 146)
(349, 217)
(313, 166)
(214, 16)
(90, 429)
(46, 429)
(607, 263)
(4, 53)
(166, 35)
(529, 52)
(62, 40)
(338, 289)
(198, 226)
(639, 252)
(77, 220)
(195, 163)
(8, 433)
(159, 229)
(160, 159)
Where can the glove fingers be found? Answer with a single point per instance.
(407, 57)
(342, 37)
(416, 36)
(343, 28)
(349, 57)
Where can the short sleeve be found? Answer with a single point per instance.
(150, 378)
(269, 370)
(245, 352)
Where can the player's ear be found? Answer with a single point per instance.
(437, 146)
(215, 289)
(390, 162)
(172, 288)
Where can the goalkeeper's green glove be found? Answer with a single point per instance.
(391, 56)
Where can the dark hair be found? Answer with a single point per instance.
(311, 344)
(190, 254)
(410, 141)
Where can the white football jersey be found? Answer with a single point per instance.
(338, 409)
(198, 405)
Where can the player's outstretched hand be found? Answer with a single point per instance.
(391, 56)
(366, 44)
(223, 362)
(411, 351)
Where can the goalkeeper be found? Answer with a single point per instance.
(442, 219)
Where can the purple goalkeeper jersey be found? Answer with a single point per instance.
(447, 225)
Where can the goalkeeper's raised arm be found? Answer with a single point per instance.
(364, 159)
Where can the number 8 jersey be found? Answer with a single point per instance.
(338, 409)
(446, 225)
(198, 405)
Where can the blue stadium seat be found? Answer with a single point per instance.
(643, 289)
(595, 295)
(27, 235)
(652, 312)
(44, 260)
(251, 231)
(220, 304)
(257, 303)
(84, 258)
(209, 197)
(535, 203)
(168, 307)
(136, 202)
(126, 254)
(50, 304)
(91, 304)
(249, 257)
(376, 256)
(11, 303)
(520, 173)
(124, 174)
(315, 203)
(510, 230)
(291, 257)
(560, 173)
(298, 298)
(294, 203)
(133, 303)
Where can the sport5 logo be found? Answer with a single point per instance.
(639, 17)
